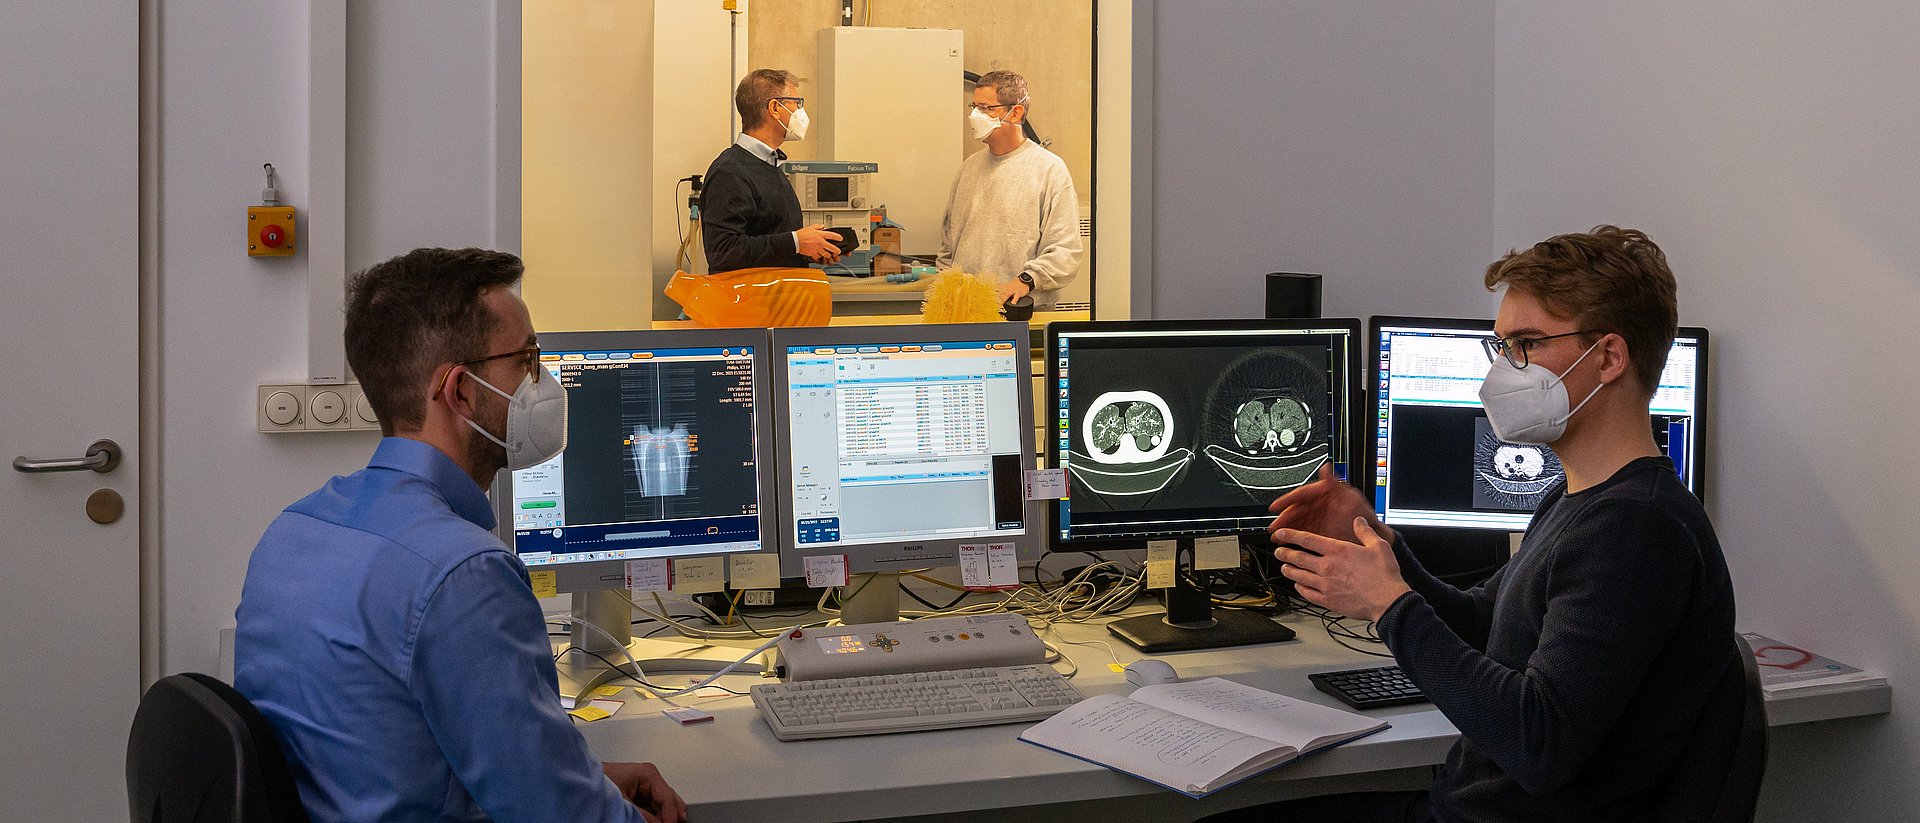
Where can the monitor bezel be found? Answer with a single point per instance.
(1702, 394)
(1356, 403)
(611, 574)
(920, 554)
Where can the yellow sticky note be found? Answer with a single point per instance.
(607, 691)
(1117, 668)
(543, 584)
(591, 713)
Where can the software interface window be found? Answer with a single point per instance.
(914, 441)
(659, 459)
(1172, 432)
(1436, 459)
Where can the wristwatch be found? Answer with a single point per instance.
(1027, 279)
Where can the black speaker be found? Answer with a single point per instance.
(1292, 295)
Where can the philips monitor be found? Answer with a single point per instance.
(900, 444)
(1436, 461)
(664, 435)
(1174, 430)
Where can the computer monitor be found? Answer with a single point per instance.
(899, 444)
(1174, 430)
(664, 435)
(1437, 464)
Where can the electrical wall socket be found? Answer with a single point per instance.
(304, 407)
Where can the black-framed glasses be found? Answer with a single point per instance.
(531, 353)
(798, 102)
(1515, 349)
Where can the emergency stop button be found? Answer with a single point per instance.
(270, 231)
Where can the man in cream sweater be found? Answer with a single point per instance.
(1013, 216)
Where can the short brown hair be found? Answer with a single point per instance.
(1009, 88)
(759, 86)
(407, 316)
(1611, 279)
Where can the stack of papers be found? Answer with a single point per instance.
(1787, 670)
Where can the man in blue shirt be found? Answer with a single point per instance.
(393, 642)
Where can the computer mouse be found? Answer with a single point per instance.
(1147, 672)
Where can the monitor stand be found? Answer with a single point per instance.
(870, 598)
(580, 673)
(1191, 621)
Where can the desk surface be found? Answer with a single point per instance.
(734, 769)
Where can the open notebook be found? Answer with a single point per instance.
(1197, 737)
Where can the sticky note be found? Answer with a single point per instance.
(754, 571)
(988, 565)
(1117, 668)
(1162, 551)
(651, 575)
(694, 575)
(825, 570)
(607, 691)
(543, 584)
(1160, 574)
(1047, 484)
(590, 713)
(1216, 552)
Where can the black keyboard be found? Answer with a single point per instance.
(1369, 688)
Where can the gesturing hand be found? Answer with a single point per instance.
(1325, 507)
(1357, 579)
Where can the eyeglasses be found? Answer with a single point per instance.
(531, 364)
(983, 109)
(798, 102)
(1515, 349)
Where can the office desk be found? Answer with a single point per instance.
(734, 769)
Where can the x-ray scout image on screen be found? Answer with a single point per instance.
(1193, 428)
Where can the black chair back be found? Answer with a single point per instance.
(201, 753)
(1718, 777)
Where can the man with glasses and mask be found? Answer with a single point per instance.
(393, 642)
(749, 215)
(1577, 673)
(1013, 215)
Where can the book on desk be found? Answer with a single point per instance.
(1197, 738)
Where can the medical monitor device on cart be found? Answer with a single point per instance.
(897, 446)
(1177, 430)
(665, 431)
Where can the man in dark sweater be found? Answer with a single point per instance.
(1576, 673)
(749, 216)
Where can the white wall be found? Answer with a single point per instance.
(1771, 151)
(421, 143)
(1350, 139)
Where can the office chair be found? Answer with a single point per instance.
(1718, 777)
(200, 753)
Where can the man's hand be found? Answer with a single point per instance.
(1355, 579)
(817, 244)
(1324, 507)
(1013, 290)
(643, 786)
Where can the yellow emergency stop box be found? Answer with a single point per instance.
(270, 231)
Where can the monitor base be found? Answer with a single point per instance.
(1152, 634)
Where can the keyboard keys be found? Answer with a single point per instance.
(1369, 688)
(913, 701)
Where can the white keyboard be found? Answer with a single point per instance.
(913, 702)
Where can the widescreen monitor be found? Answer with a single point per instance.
(1436, 461)
(1180, 429)
(664, 435)
(899, 444)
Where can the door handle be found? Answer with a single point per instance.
(103, 456)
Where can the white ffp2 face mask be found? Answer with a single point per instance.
(981, 124)
(796, 124)
(1530, 405)
(536, 421)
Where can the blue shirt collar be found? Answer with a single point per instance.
(755, 147)
(428, 463)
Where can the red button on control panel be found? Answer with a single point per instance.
(272, 237)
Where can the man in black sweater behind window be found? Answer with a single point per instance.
(749, 216)
(1576, 674)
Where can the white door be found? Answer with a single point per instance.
(69, 376)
